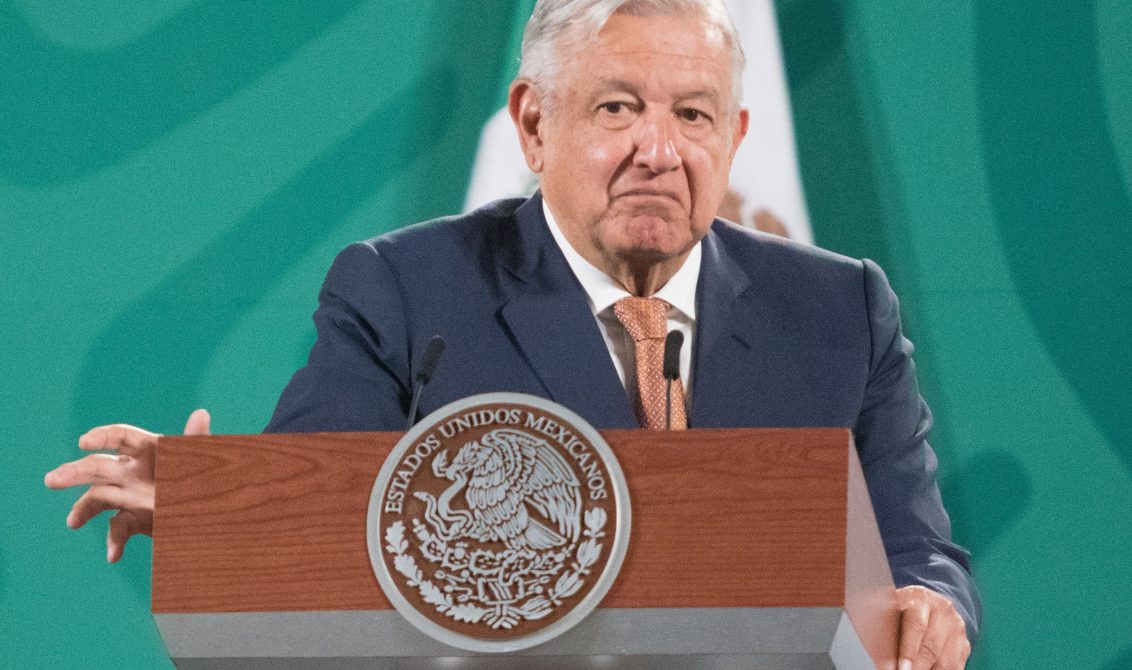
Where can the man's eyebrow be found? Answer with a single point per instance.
(606, 84)
(707, 94)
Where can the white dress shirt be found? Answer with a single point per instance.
(602, 292)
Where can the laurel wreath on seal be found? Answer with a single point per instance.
(503, 616)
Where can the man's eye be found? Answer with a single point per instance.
(693, 115)
(615, 107)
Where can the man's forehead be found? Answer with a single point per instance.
(676, 57)
(632, 51)
(677, 36)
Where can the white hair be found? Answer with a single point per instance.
(554, 22)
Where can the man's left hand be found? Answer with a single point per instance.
(932, 634)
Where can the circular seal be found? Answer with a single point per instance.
(498, 522)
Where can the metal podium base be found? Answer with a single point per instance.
(652, 639)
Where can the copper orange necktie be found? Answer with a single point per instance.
(646, 319)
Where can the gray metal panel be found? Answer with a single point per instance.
(721, 638)
(847, 651)
(706, 662)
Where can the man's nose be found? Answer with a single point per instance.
(656, 144)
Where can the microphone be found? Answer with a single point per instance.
(429, 359)
(672, 343)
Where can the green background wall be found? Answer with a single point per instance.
(176, 176)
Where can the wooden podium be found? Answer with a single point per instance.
(750, 548)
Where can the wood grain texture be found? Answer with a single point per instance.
(733, 518)
(265, 522)
(721, 518)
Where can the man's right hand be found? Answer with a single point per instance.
(120, 479)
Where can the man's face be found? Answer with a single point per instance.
(634, 156)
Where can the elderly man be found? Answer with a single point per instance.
(627, 111)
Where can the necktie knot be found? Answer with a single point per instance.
(643, 318)
(646, 321)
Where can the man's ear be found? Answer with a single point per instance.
(526, 108)
(742, 124)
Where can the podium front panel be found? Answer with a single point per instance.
(739, 550)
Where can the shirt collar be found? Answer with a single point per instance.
(602, 291)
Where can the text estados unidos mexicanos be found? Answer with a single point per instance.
(588, 463)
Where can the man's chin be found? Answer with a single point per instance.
(644, 239)
(652, 231)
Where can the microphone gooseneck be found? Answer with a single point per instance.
(431, 356)
(672, 343)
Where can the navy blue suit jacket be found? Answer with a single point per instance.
(787, 335)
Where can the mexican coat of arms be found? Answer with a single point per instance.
(498, 522)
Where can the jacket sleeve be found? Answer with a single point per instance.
(356, 377)
(900, 467)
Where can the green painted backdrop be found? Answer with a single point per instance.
(176, 176)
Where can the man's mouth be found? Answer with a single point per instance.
(649, 193)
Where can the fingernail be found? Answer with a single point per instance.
(905, 664)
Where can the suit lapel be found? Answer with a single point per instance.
(547, 313)
(729, 340)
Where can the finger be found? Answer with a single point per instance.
(94, 469)
(933, 643)
(123, 525)
(913, 626)
(99, 499)
(957, 650)
(118, 437)
(198, 423)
